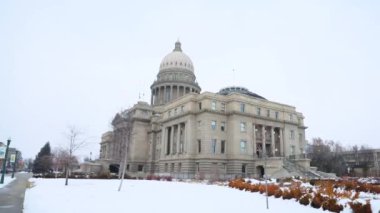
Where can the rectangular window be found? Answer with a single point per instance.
(244, 168)
(172, 167)
(140, 168)
(213, 146)
(199, 146)
(222, 126)
(182, 108)
(276, 115)
(242, 107)
(213, 105)
(291, 117)
(243, 146)
(179, 167)
(243, 127)
(291, 134)
(222, 146)
(175, 111)
(166, 167)
(222, 107)
(199, 124)
(213, 125)
(268, 113)
(200, 105)
(258, 111)
(197, 167)
(300, 138)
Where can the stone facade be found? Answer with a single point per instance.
(187, 134)
(363, 163)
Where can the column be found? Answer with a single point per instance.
(164, 95)
(171, 140)
(171, 93)
(254, 142)
(184, 138)
(282, 142)
(263, 138)
(272, 142)
(163, 141)
(161, 95)
(151, 97)
(178, 138)
(157, 96)
(177, 91)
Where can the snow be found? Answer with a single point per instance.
(7, 180)
(86, 195)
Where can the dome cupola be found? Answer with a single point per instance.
(176, 60)
(175, 77)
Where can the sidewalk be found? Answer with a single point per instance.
(12, 195)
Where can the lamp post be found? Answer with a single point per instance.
(5, 161)
(266, 178)
(14, 164)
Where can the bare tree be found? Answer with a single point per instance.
(75, 143)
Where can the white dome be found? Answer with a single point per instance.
(176, 59)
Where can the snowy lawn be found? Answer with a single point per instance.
(7, 180)
(50, 195)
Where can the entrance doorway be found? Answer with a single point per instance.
(114, 168)
(260, 171)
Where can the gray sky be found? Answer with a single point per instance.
(79, 62)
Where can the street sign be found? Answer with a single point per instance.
(13, 158)
(2, 152)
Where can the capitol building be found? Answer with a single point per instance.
(186, 133)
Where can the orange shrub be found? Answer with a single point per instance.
(360, 208)
(305, 199)
(262, 189)
(375, 189)
(295, 192)
(363, 187)
(278, 193)
(286, 195)
(317, 201)
(272, 188)
(332, 205)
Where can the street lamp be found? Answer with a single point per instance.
(5, 161)
(266, 178)
(14, 164)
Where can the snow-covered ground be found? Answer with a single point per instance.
(7, 180)
(51, 195)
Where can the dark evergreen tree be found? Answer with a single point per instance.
(43, 162)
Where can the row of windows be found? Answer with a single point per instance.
(179, 167)
(243, 128)
(243, 109)
(214, 146)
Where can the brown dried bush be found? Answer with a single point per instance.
(286, 195)
(278, 193)
(360, 208)
(332, 205)
(305, 199)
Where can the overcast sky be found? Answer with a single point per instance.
(78, 62)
